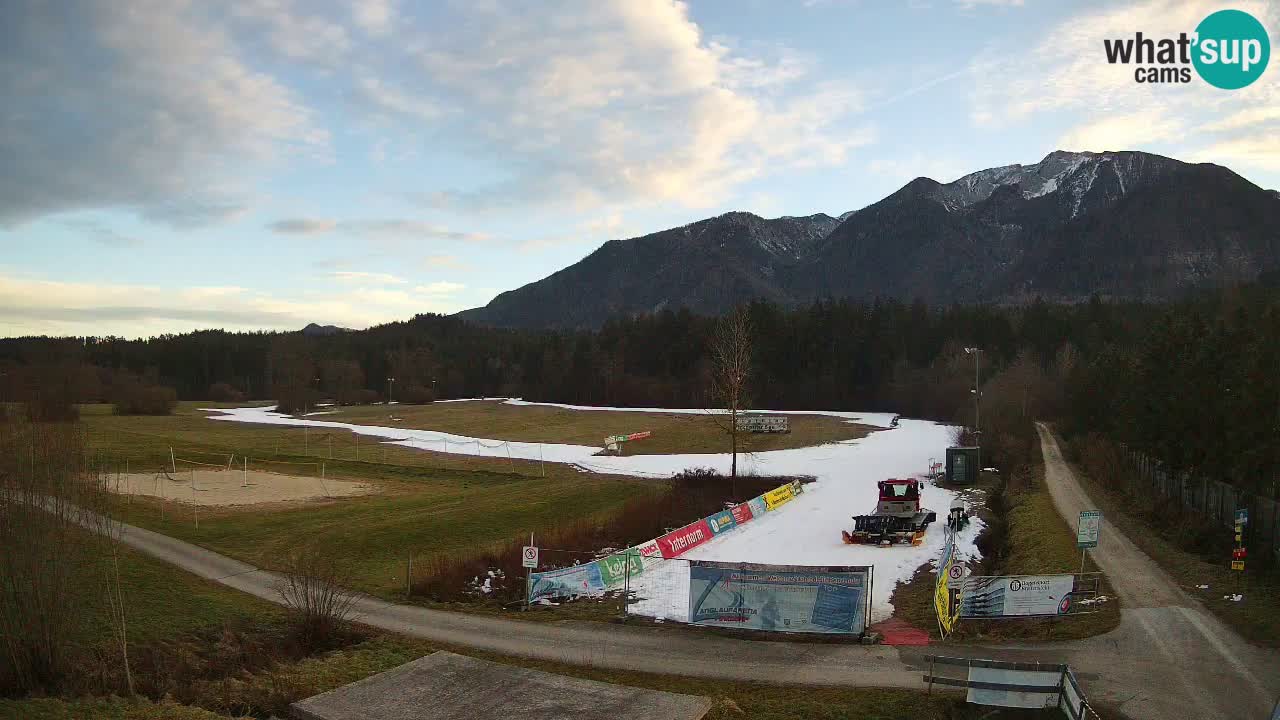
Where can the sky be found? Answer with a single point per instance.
(170, 165)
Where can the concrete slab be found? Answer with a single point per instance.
(445, 686)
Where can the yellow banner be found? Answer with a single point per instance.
(947, 606)
(778, 496)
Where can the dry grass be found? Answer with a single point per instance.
(1033, 540)
(1163, 534)
(672, 433)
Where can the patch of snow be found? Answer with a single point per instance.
(805, 531)
(874, 419)
(1233, 598)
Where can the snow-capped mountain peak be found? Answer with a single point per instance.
(1072, 173)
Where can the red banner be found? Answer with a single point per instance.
(678, 542)
(741, 513)
(650, 549)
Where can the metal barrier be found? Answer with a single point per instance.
(1014, 684)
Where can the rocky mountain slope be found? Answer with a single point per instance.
(1120, 224)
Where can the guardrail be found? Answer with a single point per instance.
(1014, 684)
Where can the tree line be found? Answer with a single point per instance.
(1194, 382)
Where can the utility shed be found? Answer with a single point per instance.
(962, 465)
(445, 686)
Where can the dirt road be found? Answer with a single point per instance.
(1169, 658)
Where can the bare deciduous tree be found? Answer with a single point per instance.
(312, 587)
(730, 375)
(51, 557)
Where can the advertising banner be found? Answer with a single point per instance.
(778, 496)
(567, 582)
(614, 568)
(758, 506)
(722, 521)
(678, 542)
(1016, 595)
(742, 513)
(780, 598)
(945, 591)
(649, 549)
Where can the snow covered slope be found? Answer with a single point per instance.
(806, 531)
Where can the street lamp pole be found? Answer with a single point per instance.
(977, 400)
(391, 383)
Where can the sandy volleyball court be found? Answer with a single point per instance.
(228, 487)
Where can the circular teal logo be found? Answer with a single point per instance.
(1232, 49)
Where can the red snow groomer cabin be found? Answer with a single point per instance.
(898, 519)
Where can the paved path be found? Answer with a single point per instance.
(1168, 660)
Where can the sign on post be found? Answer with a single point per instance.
(529, 558)
(1088, 529)
(1242, 516)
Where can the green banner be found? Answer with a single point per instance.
(613, 569)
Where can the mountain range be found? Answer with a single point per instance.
(1122, 225)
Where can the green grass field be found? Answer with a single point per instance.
(672, 433)
(425, 508)
(175, 611)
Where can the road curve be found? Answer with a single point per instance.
(1168, 660)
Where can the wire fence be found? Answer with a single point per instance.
(1214, 502)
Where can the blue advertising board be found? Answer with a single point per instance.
(779, 598)
(566, 582)
(758, 506)
(721, 521)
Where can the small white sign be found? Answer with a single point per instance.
(1088, 529)
(530, 556)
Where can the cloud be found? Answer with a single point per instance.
(302, 226)
(439, 288)
(374, 16)
(904, 168)
(353, 276)
(145, 105)
(971, 4)
(1122, 132)
(1262, 152)
(40, 306)
(1067, 75)
(293, 33)
(384, 228)
(451, 262)
(102, 235)
(621, 103)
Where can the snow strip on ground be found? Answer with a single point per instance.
(805, 531)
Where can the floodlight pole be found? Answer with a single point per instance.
(977, 403)
(391, 383)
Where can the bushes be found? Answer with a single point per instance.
(313, 588)
(131, 396)
(48, 495)
(224, 392)
(688, 496)
(414, 395)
